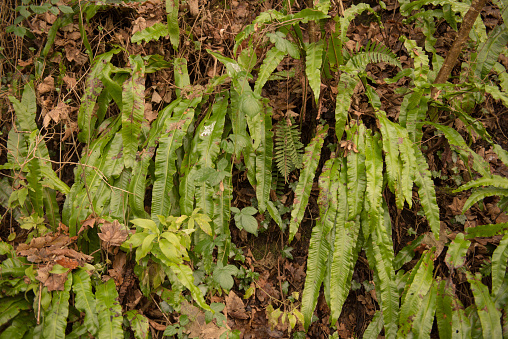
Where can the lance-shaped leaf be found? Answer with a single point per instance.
(184, 274)
(272, 59)
(482, 193)
(427, 193)
(392, 159)
(137, 185)
(379, 250)
(375, 326)
(222, 209)
(374, 170)
(264, 155)
(499, 259)
(319, 247)
(170, 140)
(313, 60)
(93, 88)
(85, 299)
(133, 106)
(418, 285)
(489, 315)
(109, 311)
(444, 309)
(407, 155)
(25, 109)
(456, 253)
(461, 326)
(302, 193)
(356, 177)
(345, 90)
(154, 32)
(139, 324)
(425, 315)
(10, 307)
(344, 259)
(55, 320)
(172, 7)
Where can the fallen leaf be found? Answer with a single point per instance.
(113, 234)
(235, 306)
(47, 85)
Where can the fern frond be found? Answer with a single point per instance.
(487, 312)
(499, 259)
(288, 148)
(148, 34)
(302, 193)
(373, 53)
(418, 285)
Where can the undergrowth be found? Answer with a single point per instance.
(59, 280)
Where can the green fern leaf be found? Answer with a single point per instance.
(109, 311)
(456, 253)
(392, 159)
(33, 179)
(139, 324)
(407, 155)
(346, 87)
(425, 315)
(119, 200)
(273, 58)
(170, 140)
(481, 194)
(501, 154)
(461, 326)
(487, 312)
(222, 210)
(444, 309)
(374, 170)
(427, 193)
(148, 34)
(499, 259)
(85, 299)
(302, 193)
(356, 178)
(418, 285)
(375, 326)
(133, 99)
(172, 7)
(349, 15)
(489, 51)
(372, 53)
(137, 185)
(313, 60)
(55, 320)
(491, 180)
(26, 109)
(379, 250)
(344, 259)
(487, 230)
(319, 247)
(264, 155)
(288, 148)
(93, 88)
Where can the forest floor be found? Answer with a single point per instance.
(213, 25)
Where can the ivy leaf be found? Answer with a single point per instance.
(244, 219)
(224, 275)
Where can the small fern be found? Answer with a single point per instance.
(372, 53)
(288, 148)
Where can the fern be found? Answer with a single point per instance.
(372, 53)
(288, 148)
(302, 193)
(148, 34)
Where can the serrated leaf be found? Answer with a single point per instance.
(313, 60)
(85, 299)
(55, 320)
(456, 253)
(133, 106)
(154, 32)
(109, 311)
(487, 312)
(425, 315)
(499, 260)
(444, 309)
(482, 193)
(375, 327)
(272, 59)
(491, 180)
(172, 7)
(356, 176)
(302, 193)
(427, 193)
(139, 324)
(264, 156)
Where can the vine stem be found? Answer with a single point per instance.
(453, 55)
